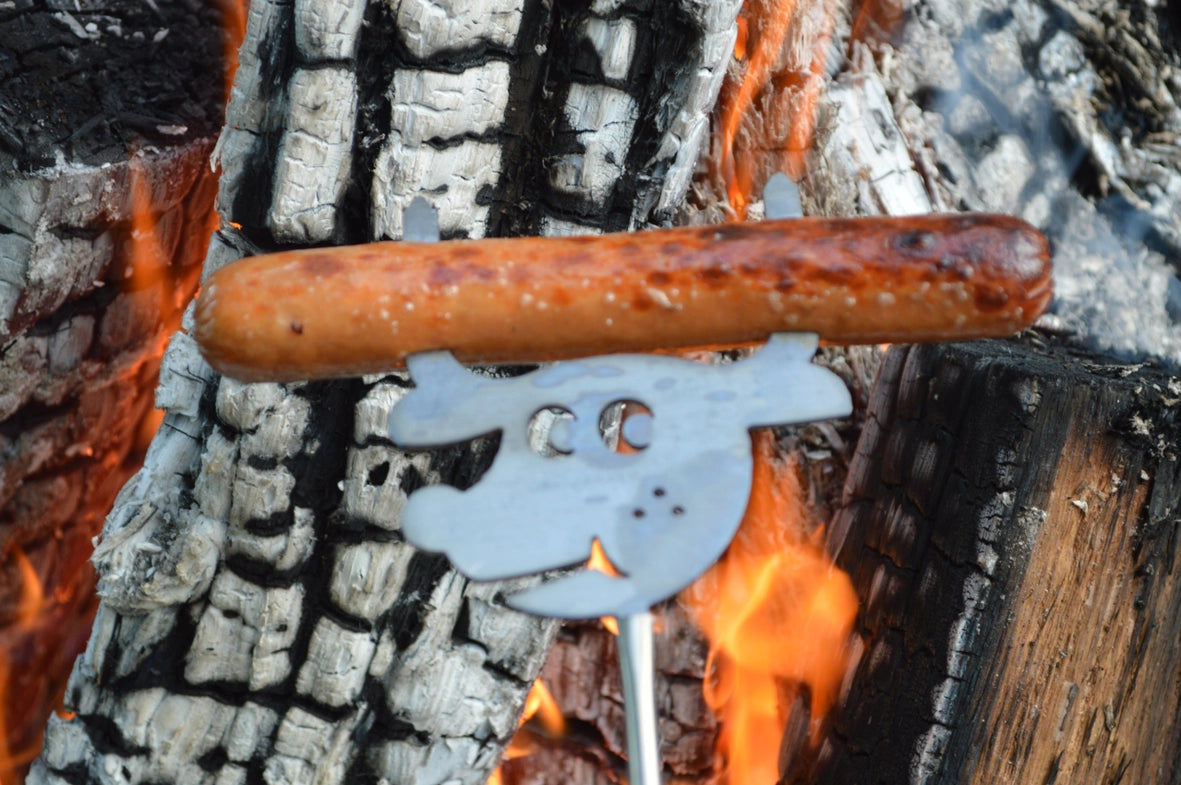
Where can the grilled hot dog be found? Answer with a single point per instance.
(346, 311)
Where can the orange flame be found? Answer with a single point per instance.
(146, 258)
(777, 613)
(30, 604)
(784, 44)
(32, 594)
(599, 562)
(43, 629)
(877, 20)
(539, 703)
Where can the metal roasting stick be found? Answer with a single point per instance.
(636, 669)
(663, 509)
(635, 643)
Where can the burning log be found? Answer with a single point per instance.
(105, 208)
(1016, 544)
(1020, 617)
(1024, 692)
(261, 616)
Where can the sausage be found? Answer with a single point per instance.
(328, 312)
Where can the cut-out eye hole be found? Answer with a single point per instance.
(549, 431)
(626, 426)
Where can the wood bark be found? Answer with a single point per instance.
(261, 617)
(1023, 111)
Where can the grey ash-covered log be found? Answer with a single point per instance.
(595, 123)
(1068, 114)
(261, 618)
(105, 207)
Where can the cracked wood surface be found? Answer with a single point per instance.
(563, 185)
(82, 333)
(91, 154)
(958, 556)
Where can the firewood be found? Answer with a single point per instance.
(105, 197)
(1010, 523)
(544, 166)
(261, 617)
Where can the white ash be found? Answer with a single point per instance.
(327, 29)
(335, 669)
(863, 152)
(430, 105)
(688, 133)
(451, 177)
(428, 27)
(601, 119)
(233, 467)
(614, 40)
(1022, 119)
(315, 156)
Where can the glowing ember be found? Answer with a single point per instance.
(32, 594)
(233, 31)
(878, 20)
(145, 259)
(778, 615)
(47, 601)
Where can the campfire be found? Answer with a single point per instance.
(972, 577)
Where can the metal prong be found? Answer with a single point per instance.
(635, 665)
(781, 198)
(420, 222)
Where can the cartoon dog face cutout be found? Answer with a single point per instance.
(663, 509)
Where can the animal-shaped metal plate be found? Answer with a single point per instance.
(663, 509)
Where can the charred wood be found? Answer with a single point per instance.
(105, 198)
(1010, 521)
(261, 617)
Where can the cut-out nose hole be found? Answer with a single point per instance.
(678, 510)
